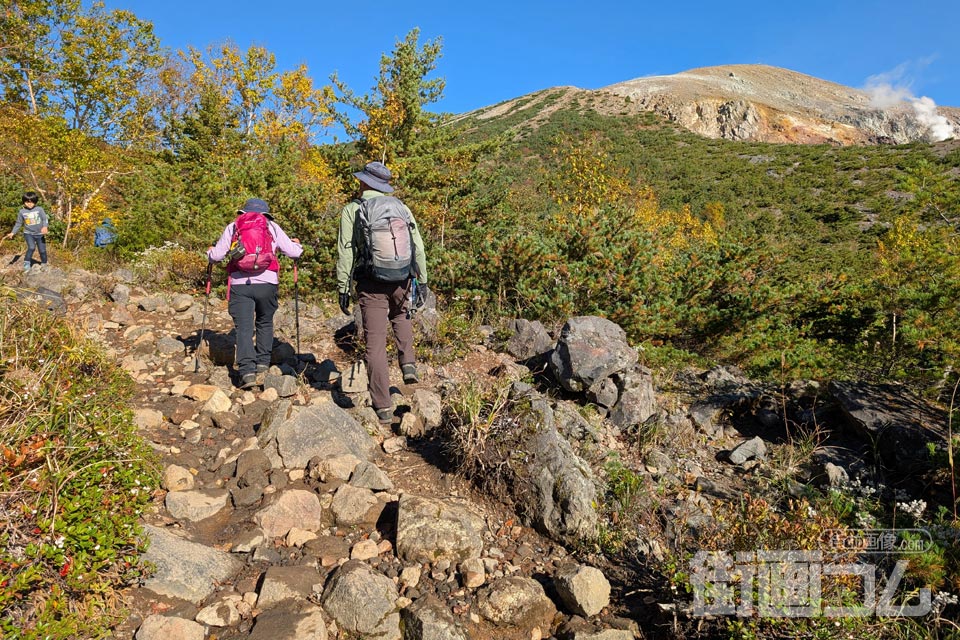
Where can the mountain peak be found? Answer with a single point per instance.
(764, 103)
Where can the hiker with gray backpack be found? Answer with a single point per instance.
(251, 244)
(380, 248)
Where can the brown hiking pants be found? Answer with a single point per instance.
(382, 303)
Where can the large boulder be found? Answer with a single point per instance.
(362, 601)
(900, 425)
(184, 569)
(590, 349)
(517, 602)
(321, 430)
(431, 530)
(562, 488)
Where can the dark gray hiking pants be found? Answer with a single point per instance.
(252, 307)
(383, 304)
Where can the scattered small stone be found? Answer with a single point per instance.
(395, 444)
(176, 478)
(364, 550)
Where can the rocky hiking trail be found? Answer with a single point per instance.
(289, 512)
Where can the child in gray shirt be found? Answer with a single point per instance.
(34, 221)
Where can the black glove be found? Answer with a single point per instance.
(345, 303)
(422, 292)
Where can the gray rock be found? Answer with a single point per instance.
(431, 530)
(529, 340)
(220, 614)
(221, 348)
(899, 425)
(362, 601)
(637, 402)
(367, 475)
(170, 346)
(353, 505)
(323, 430)
(291, 620)
(590, 348)
(428, 407)
(185, 569)
(248, 495)
(150, 304)
(177, 478)
(604, 392)
(294, 508)
(284, 583)
(584, 590)
(285, 386)
(354, 379)
(705, 416)
(752, 449)
(518, 602)
(181, 302)
(572, 425)
(562, 488)
(196, 505)
(429, 619)
(157, 627)
(44, 297)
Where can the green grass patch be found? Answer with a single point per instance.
(75, 477)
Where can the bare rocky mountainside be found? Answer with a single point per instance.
(767, 104)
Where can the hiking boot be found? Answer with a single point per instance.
(262, 368)
(410, 373)
(385, 416)
(26, 267)
(248, 381)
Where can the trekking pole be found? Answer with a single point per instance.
(203, 325)
(296, 304)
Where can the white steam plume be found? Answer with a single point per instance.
(892, 87)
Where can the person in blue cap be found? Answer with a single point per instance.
(105, 234)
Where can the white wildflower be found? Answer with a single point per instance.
(914, 508)
(941, 601)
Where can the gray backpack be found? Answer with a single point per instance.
(383, 236)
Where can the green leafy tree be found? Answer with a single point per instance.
(393, 113)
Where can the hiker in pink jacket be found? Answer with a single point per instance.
(251, 244)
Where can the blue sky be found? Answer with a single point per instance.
(496, 50)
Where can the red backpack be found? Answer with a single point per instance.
(251, 249)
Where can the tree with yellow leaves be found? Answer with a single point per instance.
(77, 87)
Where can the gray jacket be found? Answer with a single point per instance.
(32, 220)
